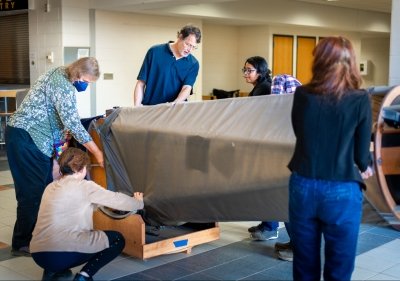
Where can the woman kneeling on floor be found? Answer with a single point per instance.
(64, 236)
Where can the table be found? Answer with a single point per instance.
(7, 92)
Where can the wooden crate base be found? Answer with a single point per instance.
(133, 226)
(133, 230)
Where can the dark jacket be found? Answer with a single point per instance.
(332, 137)
(263, 87)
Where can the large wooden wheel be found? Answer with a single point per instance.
(385, 195)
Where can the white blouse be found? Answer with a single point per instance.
(65, 220)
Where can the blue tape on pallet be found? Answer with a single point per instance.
(181, 243)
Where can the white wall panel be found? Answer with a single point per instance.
(394, 58)
(221, 57)
(376, 51)
(122, 40)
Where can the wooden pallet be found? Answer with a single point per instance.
(133, 230)
(133, 226)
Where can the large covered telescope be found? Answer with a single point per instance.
(226, 160)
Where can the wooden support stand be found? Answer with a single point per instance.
(133, 226)
(386, 199)
(133, 230)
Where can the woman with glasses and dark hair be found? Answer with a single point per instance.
(169, 70)
(331, 119)
(256, 72)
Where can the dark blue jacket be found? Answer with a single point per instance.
(332, 137)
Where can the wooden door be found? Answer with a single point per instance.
(282, 54)
(305, 47)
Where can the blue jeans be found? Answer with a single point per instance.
(270, 225)
(329, 208)
(60, 261)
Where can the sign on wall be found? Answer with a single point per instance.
(13, 5)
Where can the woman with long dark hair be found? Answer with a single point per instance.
(331, 119)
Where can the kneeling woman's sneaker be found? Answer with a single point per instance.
(21, 252)
(52, 276)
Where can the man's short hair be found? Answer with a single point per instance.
(188, 30)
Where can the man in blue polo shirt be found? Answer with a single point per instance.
(169, 70)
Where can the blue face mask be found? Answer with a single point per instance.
(80, 85)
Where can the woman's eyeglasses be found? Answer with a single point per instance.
(248, 70)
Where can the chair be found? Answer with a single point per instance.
(4, 113)
(3, 123)
(222, 94)
(19, 97)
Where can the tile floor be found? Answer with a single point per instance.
(232, 257)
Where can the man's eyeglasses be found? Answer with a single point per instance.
(248, 70)
(190, 46)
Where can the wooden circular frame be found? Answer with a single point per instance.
(387, 159)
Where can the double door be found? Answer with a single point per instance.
(293, 55)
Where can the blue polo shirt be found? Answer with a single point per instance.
(164, 75)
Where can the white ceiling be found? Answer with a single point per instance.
(371, 5)
(154, 5)
(146, 5)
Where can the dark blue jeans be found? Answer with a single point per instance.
(329, 208)
(32, 172)
(270, 225)
(60, 261)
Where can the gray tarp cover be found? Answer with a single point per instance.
(220, 160)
